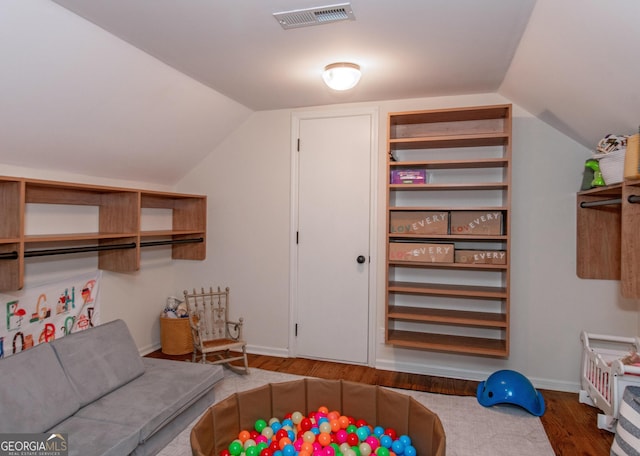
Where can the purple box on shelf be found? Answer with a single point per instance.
(409, 176)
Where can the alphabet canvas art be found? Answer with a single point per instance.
(47, 312)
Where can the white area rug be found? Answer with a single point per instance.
(470, 428)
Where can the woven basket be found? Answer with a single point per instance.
(175, 336)
(612, 165)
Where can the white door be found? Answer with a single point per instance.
(334, 181)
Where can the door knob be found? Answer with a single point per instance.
(361, 259)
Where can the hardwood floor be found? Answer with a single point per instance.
(570, 425)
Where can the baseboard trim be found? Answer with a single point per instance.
(464, 374)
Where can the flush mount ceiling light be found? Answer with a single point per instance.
(341, 76)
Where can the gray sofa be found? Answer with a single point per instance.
(94, 386)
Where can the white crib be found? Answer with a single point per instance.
(604, 377)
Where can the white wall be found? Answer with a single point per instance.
(247, 180)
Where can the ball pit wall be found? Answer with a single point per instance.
(379, 406)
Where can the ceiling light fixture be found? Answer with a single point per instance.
(341, 76)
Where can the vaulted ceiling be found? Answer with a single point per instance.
(144, 89)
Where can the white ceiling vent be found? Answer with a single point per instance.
(315, 16)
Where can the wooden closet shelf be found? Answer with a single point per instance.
(448, 343)
(448, 316)
(441, 289)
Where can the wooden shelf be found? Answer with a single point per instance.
(459, 237)
(438, 289)
(446, 316)
(452, 164)
(465, 186)
(416, 264)
(454, 145)
(74, 237)
(439, 142)
(448, 343)
(117, 238)
(449, 208)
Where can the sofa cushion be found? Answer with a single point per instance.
(35, 393)
(164, 391)
(99, 360)
(97, 438)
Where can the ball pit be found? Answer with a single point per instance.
(315, 417)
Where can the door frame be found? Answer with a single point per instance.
(296, 118)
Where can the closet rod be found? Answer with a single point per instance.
(89, 248)
(172, 242)
(633, 199)
(606, 202)
(95, 248)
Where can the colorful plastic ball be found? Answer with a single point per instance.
(349, 452)
(409, 450)
(296, 417)
(274, 445)
(252, 451)
(304, 453)
(352, 428)
(397, 446)
(378, 431)
(315, 430)
(254, 434)
(281, 434)
(262, 445)
(352, 439)
(266, 452)
(297, 444)
(249, 443)
(356, 450)
(333, 415)
(260, 425)
(224, 452)
(361, 423)
(365, 449)
(386, 441)
(306, 424)
(306, 447)
(309, 437)
(277, 453)
(263, 438)
(291, 435)
(244, 435)
(283, 442)
(325, 427)
(373, 442)
(405, 439)
(382, 451)
(363, 433)
(324, 438)
(329, 451)
(235, 448)
(287, 422)
(344, 422)
(391, 433)
(276, 425)
(341, 436)
(288, 450)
